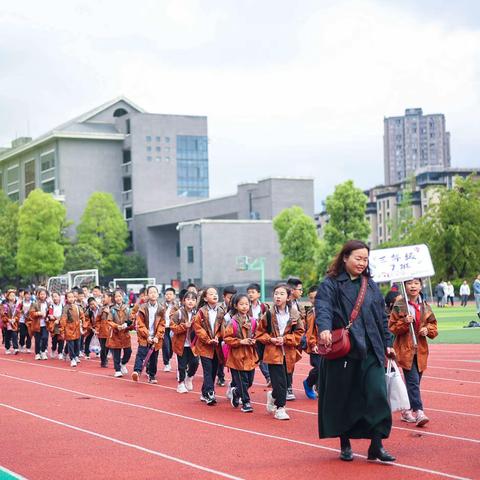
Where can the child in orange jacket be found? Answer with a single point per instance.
(241, 350)
(10, 316)
(70, 322)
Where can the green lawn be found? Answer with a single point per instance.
(450, 325)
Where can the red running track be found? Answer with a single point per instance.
(60, 422)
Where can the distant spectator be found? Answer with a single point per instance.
(439, 294)
(464, 293)
(476, 293)
(450, 291)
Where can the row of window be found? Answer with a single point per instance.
(158, 159)
(148, 138)
(158, 148)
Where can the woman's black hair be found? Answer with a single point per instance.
(338, 265)
(234, 302)
(202, 302)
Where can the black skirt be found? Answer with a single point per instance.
(352, 399)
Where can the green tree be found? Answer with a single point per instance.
(451, 229)
(299, 244)
(41, 223)
(346, 209)
(103, 228)
(8, 238)
(82, 256)
(126, 266)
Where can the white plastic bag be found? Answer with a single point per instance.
(95, 344)
(396, 390)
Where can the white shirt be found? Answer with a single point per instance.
(212, 316)
(464, 290)
(256, 311)
(152, 311)
(187, 336)
(43, 309)
(25, 309)
(282, 320)
(57, 310)
(167, 314)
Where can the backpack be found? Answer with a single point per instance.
(226, 347)
(261, 346)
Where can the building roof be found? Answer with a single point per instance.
(78, 128)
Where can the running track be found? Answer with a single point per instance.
(59, 422)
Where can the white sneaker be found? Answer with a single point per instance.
(229, 392)
(421, 419)
(281, 414)
(189, 383)
(29, 350)
(53, 355)
(182, 388)
(77, 359)
(81, 354)
(73, 363)
(87, 357)
(8, 352)
(60, 356)
(118, 374)
(38, 356)
(271, 408)
(290, 394)
(22, 349)
(167, 368)
(202, 398)
(44, 356)
(15, 352)
(124, 369)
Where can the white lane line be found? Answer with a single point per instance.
(207, 422)
(450, 393)
(452, 379)
(454, 368)
(125, 444)
(219, 425)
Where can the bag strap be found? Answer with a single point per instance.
(360, 300)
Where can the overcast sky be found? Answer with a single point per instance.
(290, 88)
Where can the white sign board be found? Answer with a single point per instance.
(401, 263)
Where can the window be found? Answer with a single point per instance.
(29, 175)
(149, 158)
(48, 187)
(157, 139)
(127, 156)
(47, 171)
(158, 159)
(178, 250)
(148, 138)
(127, 125)
(127, 184)
(47, 161)
(167, 139)
(192, 166)
(190, 254)
(158, 149)
(13, 177)
(128, 213)
(149, 148)
(167, 149)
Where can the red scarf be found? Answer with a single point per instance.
(418, 314)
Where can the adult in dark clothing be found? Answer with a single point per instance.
(352, 400)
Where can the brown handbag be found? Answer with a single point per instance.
(340, 346)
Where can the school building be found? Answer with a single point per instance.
(156, 167)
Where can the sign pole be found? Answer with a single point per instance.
(262, 279)
(411, 327)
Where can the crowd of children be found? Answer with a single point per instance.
(239, 333)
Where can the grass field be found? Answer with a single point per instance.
(450, 325)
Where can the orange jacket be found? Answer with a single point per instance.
(119, 337)
(34, 316)
(102, 326)
(403, 343)
(143, 326)
(240, 357)
(180, 330)
(204, 334)
(292, 335)
(70, 322)
(10, 316)
(311, 331)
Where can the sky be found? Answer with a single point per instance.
(290, 88)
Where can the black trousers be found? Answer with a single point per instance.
(117, 353)
(167, 351)
(312, 378)
(57, 344)
(25, 339)
(4, 334)
(11, 338)
(73, 348)
(103, 352)
(88, 339)
(209, 366)
(152, 362)
(187, 364)
(279, 379)
(243, 381)
(41, 340)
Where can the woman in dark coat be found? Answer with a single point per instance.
(352, 400)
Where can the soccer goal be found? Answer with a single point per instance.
(76, 278)
(135, 284)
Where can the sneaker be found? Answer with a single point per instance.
(73, 363)
(235, 401)
(124, 370)
(211, 400)
(77, 359)
(135, 376)
(15, 352)
(8, 352)
(281, 414)
(247, 408)
(22, 349)
(269, 383)
(29, 350)
(44, 356)
(38, 356)
(60, 356)
(167, 368)
(203, 399)
(221, 382)
(422, 419)
(182, 388)
(290, 394)
(97, 354)
(407, 417)
(53, 355)
(118, 374)
(87, 357)
(189, 383)
(229, 392)
(309, 392)
(152, 380)
(270, 403)
(81, 354)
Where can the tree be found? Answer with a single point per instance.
(127, 266)
(299, 244)
(41, 223)
(451, 229)
(82, 256)
(346, 209)
(103, 228)
(8, 238)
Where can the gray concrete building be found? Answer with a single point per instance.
(412, 142)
